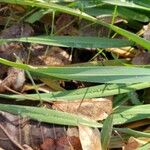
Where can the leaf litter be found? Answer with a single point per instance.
(30, 134)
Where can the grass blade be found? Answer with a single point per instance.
(48, 115)
(126, 3)
(106, 132)
(74, 41)
(90, 92)
(144, 147)
(126, 114)
(98, 74)
(74, 12)
(132, 132)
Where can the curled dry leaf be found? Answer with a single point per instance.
(90, 138)
(15, 80)
(96, 108)
(55, 56)
(133, 144)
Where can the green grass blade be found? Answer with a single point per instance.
(144, 147)
(132, 132)
(144, 3)
(126, 114)
(106, 132)
(99, 74)
(90, 92)
(48, 115)
(60, 8)
(127, 13)
(75, 41)
(127, 3)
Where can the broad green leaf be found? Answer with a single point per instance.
(126, 114)
(98, 74)
(106, 132)
(48, 115)
(89, 92)
(75, 12)
(75, 41)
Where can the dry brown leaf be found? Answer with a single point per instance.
(90, 138)
(14, 80)
(68, 143)
(73, 131)
(96, 108)
(65, 26)
(48, 144)
(133, 144)
(55, 56)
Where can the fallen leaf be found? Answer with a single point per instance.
(90, 138)
(48, 144)
(132, 144)
(96, 108)
(73, 131)
(56, 56)
(15, 80)
(68, 143)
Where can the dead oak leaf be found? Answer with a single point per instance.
(96, 108)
